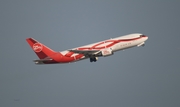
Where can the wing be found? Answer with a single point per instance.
(86, 53)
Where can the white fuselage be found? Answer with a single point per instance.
(123, 42)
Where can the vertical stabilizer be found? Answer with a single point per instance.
(41, 50)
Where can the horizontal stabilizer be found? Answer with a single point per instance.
(40, 61)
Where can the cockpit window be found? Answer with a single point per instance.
(142, 35)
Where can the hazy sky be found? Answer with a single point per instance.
(139, 77)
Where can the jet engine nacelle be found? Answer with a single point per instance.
(106, 52)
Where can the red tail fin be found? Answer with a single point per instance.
(41, 50)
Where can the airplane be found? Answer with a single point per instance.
(91, 51)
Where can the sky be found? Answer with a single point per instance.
(137, 77)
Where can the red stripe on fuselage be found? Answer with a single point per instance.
(69, 58)
(107, 46)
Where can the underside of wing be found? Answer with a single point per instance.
(86, 53)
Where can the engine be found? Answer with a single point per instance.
(106, 52)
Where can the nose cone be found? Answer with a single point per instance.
(146, 38)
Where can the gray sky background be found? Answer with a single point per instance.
(139, 77)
